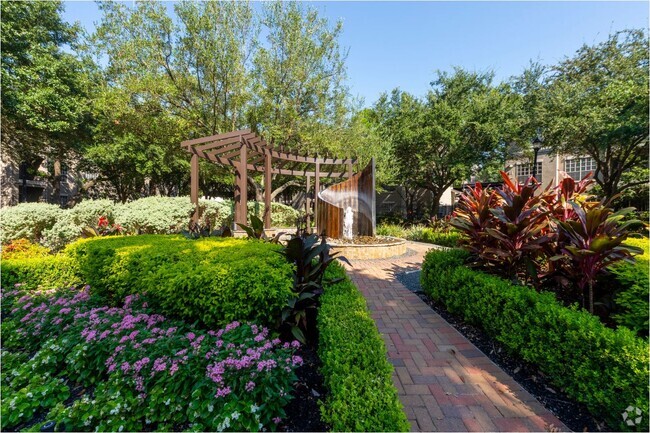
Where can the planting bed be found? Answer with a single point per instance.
(69, 357)
(574, 415)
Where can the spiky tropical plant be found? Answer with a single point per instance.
(255, 230)
(519, 229)
(472, 217)
(311, 258)
(592, 242)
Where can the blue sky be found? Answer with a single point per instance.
(402, 44)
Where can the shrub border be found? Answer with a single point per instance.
(362, 396)
(604, 368)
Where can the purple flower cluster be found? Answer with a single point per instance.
(149, 350)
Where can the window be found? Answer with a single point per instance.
(64, 170)
(524, 171)
(578, 168)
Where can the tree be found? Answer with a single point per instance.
(167, 81)
(44, 89)
(458, 129)
(298, 78)
(206, 73)
(597, 105)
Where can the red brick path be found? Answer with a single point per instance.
(444, 382)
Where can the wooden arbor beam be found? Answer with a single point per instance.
(268, 159)
(234, 148)
(194, 186)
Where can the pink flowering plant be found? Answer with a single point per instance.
(144, 371)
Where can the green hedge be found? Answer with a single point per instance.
(214, 280)
(604, 368)
(48, 272)
(632, 306)
(356, 371)
(420, 233)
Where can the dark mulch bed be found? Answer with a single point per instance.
(573, 414)
(303, 413)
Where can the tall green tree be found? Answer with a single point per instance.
(299, 75)
(45, 110)
(206, 73)
(597, 105)
(458, 129)
(167, 81)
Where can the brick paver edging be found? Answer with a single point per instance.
(444, 382)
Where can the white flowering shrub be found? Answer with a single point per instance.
(88, 212)
(281, 214)
(64, 231)
(155, 215)
(54, 227)
(27, 220)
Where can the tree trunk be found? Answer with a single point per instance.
(56, 182)
(435, 204)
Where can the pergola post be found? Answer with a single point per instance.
(307, 206)
(316, 191)
(241, 191)
(349, 169)
(194, 186)
(267, 190)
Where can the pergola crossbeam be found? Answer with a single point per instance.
(245, 151)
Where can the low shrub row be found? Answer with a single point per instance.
(146, 372)
(421, 233)
(362, 396)
(49, 272)
(213, 280)
(604, 368)
(54, 227)
(632, 307)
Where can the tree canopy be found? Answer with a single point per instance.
(596, 104)
(457, 130)
(44, 88)
(124, 97)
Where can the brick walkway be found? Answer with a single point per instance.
(444, 381)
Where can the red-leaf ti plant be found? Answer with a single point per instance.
(592, 242)
(519, 229)
(472, 216)
(566, 192)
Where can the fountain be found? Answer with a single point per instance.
(345, 212)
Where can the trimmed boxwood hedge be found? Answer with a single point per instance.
(355, 368)
(212, 280)
(49, 272)
(604, 368)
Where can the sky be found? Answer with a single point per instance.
(403, 44)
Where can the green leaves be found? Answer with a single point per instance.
(44, 89)
(455, 131)
(595, 104)
(311, 260)
(607, 369)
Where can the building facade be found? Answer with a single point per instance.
(551, 168)
(34, 185)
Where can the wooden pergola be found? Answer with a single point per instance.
(246, 151)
